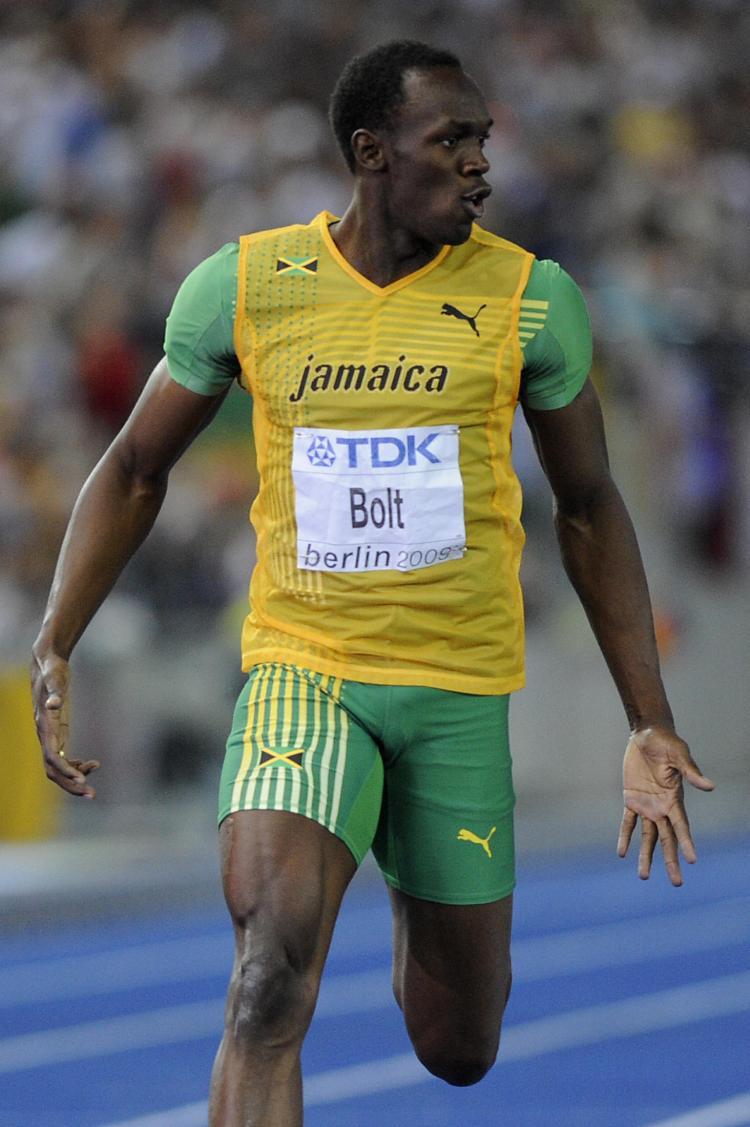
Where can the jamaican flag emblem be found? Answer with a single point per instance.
(296, 266)
(292, 757)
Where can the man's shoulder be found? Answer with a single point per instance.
(488, 240)
(280, 234)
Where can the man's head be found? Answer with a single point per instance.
(412, 124)
(371, 88)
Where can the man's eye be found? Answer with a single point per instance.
(450, 142)
(483, 140)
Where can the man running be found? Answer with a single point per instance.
(386, 352)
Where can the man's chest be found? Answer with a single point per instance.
(343, 358)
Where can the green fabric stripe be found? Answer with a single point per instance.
(359, 828)
(253, 681)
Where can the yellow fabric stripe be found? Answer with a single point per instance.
(342, 731)
(247, 747)
(269, 730)
(515, 343)
(313, 751)
(303, 689)
(249, 739)
(343, 742)
(529, 303)
(325, 763)
(286, 735)
(257, 777)
(243, 333)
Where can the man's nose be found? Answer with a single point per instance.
(476, 161)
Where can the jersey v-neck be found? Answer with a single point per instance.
(325, 218)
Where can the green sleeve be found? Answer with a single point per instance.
(555, 338)
(199, 338)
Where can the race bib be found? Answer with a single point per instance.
(377, 500)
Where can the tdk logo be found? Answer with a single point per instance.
(320, 452)
(377, 452)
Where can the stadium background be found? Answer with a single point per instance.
(137, 138)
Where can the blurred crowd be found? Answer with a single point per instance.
(136, 138)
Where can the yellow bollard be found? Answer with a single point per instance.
(29, 802)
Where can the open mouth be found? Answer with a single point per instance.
(473, 202)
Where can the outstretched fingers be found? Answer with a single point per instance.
(660, 831)
(668, 842)
(681, 830)
(627, 825)
(649, 838)
(673, 835)
(656, 764)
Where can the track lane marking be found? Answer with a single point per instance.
(734, 1112)
(665, 1009)
(535, 958)
(682, 1005)
(342, 995)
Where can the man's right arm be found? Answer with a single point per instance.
(114, 512)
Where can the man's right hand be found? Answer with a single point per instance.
(50, 676)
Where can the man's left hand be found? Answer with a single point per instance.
(656, 762)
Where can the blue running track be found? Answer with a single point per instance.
(630, 1008)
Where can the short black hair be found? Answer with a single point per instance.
(370, 88)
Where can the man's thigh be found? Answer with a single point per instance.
(294, 748)
(452, 973)
(446, 824)
(284, 877)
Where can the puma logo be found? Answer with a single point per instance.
(451, 311)
(469, 835)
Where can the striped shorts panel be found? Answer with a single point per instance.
(293, 747)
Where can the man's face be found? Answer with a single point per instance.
(435, 158)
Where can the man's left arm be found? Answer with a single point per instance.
(602, 559)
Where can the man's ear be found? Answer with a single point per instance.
(369, 151)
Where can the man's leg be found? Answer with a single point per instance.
(284, 876)
(445, 846)
(299, 800)
(451, 978)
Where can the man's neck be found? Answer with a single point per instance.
(377, 247)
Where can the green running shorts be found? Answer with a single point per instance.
(421, 775)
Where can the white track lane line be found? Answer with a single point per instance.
(734, 1112)
(623, 943)
(402, 1071)
(365, 931)
(189, 1115)
(627, 942)
(700, 1001)
(344, 994)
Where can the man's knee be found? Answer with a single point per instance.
(271, 999)
(461, 1052)
(460, 1062)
